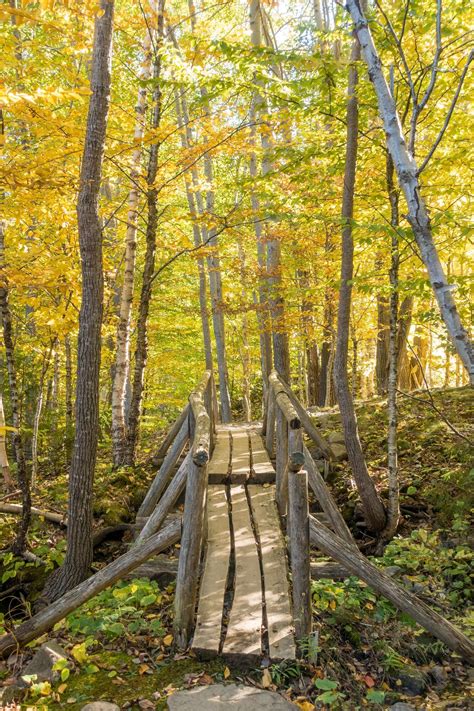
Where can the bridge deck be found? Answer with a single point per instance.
(244, 603)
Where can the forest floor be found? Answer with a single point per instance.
(120, 643)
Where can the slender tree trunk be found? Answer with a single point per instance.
(192, 190)
(281, 356)
(78, 560)
(20, 542)
(68, 398)
(245, 348)
(37, 417)
(373, 508)
(120, 441)
(407, 172)
(383, 336)
(141, 347)
(3, 449)
(393, 507)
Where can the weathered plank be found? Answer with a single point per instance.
(262, 468)
(275, 572)
(214, 579)
(219, 465)
(243, 637)
(240, 466)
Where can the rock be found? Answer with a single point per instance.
(439, 676)
(401, 706)
(100, 706)
(339, 452)
(336, 438)
(413, 681)
(228, 697)
(41, 666)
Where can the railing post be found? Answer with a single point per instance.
(281, 452)
(298, 534)
(270, 428)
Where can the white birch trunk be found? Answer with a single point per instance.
(3, 448)
(122, 356)
(407, 173)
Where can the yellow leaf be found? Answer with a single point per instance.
(168, 640)
(332, 605)
(266, 679)
(305, 705)
(62, 688)
(226, 672)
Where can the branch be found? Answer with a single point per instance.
(448, 115)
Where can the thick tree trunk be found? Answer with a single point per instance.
(20, 542)
(120, 442)
(78, 560)
(407, 172)
(373, 507)
(141, 347)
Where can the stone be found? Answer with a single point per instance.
(413, 681)
(100, 706)
(439, 676)
(41, 666)
(336, 438)
(228, 697)
(401, 706)
(339, 452)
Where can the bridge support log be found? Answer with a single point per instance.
(298, 535)
(358, 565)
(47, 618)
(170, 436)
(270, 423)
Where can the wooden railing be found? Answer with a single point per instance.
(202, 418)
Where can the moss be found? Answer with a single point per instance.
(85, 687)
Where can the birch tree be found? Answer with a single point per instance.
(408, 172)
(122, 356)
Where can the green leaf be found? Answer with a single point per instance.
(325, 684)
(65, 674)
(147, 600)
(411, 490)
(376, 696)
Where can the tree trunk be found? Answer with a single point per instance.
(36, 421)
(120, 442)
(383, 336)
(407, 172)
(192, 189)
(78, 560)
(373, 507)
(68, 397)
(3, 449)
(20, 542)
(393, 507)
(141, 347)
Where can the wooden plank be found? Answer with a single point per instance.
(240, 466)
(214, 579)
(219, 466)
(275, 572)
(262, 468)
(243, 637)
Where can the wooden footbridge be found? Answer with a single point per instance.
(243, 585)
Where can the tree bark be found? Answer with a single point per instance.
(373, 507)
(407, 172)
(20, 543)
(141, 346)
(78, 559)
(38, 410)
(120, 441)
(68, 397)
(3, 449)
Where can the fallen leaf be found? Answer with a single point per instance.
(226, 672)
(62, 688)
(305, 705)
(369, 681)
(266, 679)
(143, 668)
(146, 704)
(168, 640)
(205, 680)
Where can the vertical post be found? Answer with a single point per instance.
(281, 448)
(266, 395)
(270, 428)
(299, 552)
(190, 554)
(294, 464)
